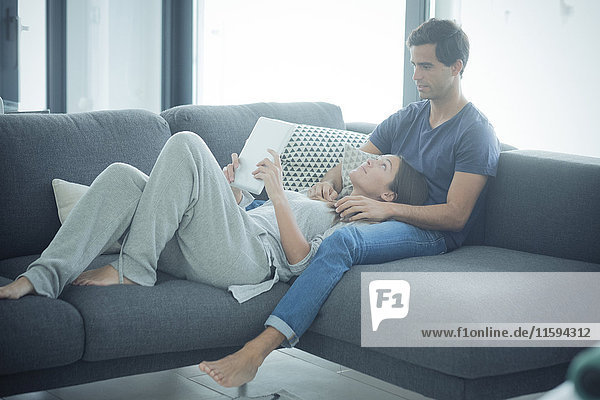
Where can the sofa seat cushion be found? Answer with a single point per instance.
(463, 362)
(38, 333)
(127, 321)
(172, 316)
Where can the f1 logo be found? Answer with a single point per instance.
(388, 299)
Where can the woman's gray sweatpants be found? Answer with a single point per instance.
(184, 212)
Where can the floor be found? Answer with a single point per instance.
(299, 373)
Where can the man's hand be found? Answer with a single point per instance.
(322, 191)
(353, 208)
(229, 171)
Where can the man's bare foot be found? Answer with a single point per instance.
(17, 289)
(234, 370)
(241, 367)
(104, 276)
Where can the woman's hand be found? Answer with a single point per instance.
(271, 173)
(323, 191)
(229, 171)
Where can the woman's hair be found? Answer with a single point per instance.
(451, 42)
(409, 185)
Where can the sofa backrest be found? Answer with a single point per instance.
(546, 203)
(476, 236)
(226, 128)
(34, 149)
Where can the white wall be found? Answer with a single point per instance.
(533, 71)
(114, 54)
(348, 53)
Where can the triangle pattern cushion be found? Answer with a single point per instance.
(312, 151)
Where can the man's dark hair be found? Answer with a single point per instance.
(409, 186)
(451, 42)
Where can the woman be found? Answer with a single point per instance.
(187, 214)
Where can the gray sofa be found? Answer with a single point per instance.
(542, 214)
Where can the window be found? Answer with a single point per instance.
(532, 71)
(32, 55)
(113, 54)
(350, 54)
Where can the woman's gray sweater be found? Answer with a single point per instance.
(316, 220)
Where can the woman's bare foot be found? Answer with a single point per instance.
(104, 276)
(241, 367)
(17, 289)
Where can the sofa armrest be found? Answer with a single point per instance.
(362, 127)
(507, 147)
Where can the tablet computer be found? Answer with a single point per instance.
(267, 134)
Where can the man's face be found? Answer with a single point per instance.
(433, 79)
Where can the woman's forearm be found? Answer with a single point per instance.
(334, 177)
(295, 246)
(237, 193)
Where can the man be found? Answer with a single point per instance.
(444, 137)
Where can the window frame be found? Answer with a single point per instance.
(177, 51)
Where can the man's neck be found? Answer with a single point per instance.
(444, 109)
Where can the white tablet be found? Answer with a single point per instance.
(267, 134)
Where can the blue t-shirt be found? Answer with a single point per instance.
(465, 143)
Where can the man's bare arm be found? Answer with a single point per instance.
(450, 216)
(369, 147)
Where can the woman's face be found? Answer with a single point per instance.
(373, 177)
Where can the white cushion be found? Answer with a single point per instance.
(67, 194)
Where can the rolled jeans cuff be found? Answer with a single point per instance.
(281, 326)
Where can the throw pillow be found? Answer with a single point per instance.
(312, 151)
(67, 194)
(353, 158)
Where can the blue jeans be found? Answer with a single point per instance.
(254, 204)
(352, 245)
